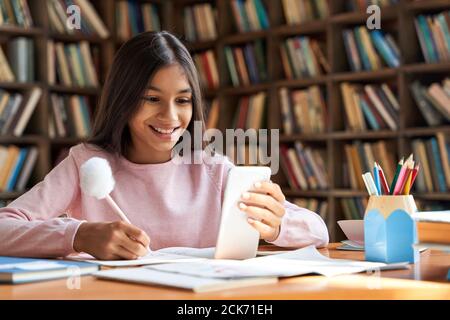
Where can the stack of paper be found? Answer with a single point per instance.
(201, 274)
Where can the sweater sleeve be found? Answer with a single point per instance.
(29, 226)
(299, 227)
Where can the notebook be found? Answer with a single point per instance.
(22, 270)
(144, 275)
(216, 274)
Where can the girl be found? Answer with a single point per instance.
(151, 96)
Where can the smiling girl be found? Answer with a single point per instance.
(151, 96)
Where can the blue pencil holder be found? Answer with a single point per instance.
(390, 230)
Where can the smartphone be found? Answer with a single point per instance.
(237, 239)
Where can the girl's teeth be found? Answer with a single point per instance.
(163, 130)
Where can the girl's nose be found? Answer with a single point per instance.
(170, 111)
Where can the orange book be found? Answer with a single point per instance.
(13, 153)
(433, 232)
(240, 61)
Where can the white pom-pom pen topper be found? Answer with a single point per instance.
(96, 180)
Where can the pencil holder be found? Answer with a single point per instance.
(389, 229)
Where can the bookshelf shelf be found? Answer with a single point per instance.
(365, 75)
(427, 68)
(312, 193)
(388, 13)
(427, 5)
(77, 37)
(20, 31)
(243, 37)
(398, 20)
(318, 26)
(75, 90)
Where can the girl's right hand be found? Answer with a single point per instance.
(111, 240)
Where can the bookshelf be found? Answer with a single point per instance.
(397, 19)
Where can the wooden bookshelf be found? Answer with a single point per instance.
(398, 19)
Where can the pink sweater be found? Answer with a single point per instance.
(176, 204)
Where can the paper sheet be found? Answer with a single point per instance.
(153, 257)
(293, 263)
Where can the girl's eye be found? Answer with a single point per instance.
(184, 101)
(151, 99)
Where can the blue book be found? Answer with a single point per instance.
(439, 169)
(428, 38)
(371, 120)
(362, 50)
(22, 270)
(262, 15)
(383, 48)
(16, 170)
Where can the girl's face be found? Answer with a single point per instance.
(161, 119)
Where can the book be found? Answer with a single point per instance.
(24, 270)
(433, 227)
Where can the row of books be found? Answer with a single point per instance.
(133, 17)
(361, 5)
(302, 57)
(16, 110)
(200, 22)
(300, 11)
(367, 50)
(70, 116)
(249, 15)
(18, 62)
(89, 23)
(354, 208)
(73, 64)
(16, 165)
(207, 69)
(434, 36)
(16, 13)
(303, 111)
(246, 64)
(433, 101)
(433, 155)
(315, 205)
(370, 106)
(360, 158)
(6, 73)
(304, 167)
(251, 112)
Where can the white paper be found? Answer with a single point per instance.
(298, 262)
(153, 257)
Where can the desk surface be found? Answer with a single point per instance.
(424, 280)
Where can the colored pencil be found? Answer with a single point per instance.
(397, 171)
(402, 177)
(383, 180)
(376, 177)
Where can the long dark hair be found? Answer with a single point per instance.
(132, 69)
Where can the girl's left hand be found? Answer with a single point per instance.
(264, 205)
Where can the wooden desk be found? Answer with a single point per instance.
(425, 280)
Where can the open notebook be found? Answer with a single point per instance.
(216, 274)
(166, 255)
